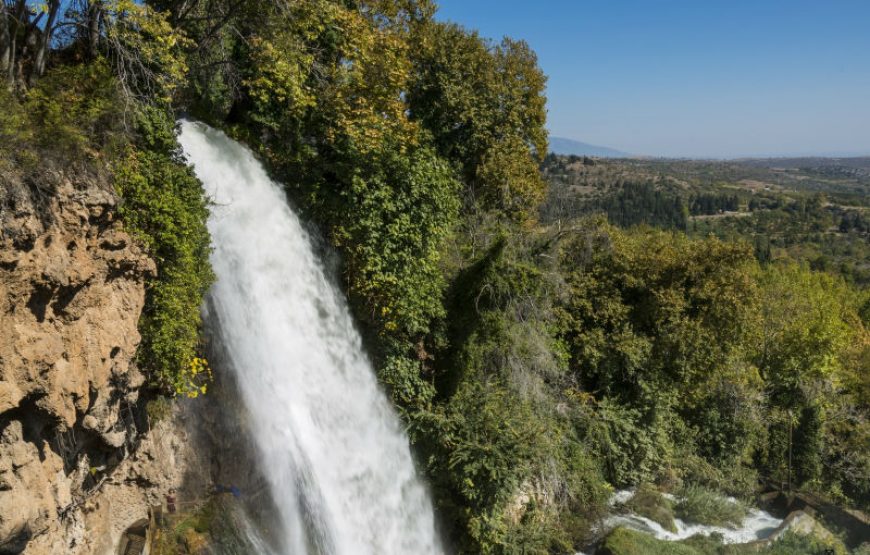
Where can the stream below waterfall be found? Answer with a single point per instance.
(756, 525)
(335, 457)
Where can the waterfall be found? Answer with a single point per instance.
(334, 453)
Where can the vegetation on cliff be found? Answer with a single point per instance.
(538, 366)
(164, 206)
(101, 107)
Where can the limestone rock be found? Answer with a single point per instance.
(27, 499)
(803, 524)
(72, 288)
(10, 396)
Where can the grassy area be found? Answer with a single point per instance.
(702, 506)
(650, 503)
(624, 541)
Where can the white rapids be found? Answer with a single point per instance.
(337, 460)
(756, 525)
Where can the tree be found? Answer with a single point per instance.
(26, 30)
(484, 105)
(143, 49)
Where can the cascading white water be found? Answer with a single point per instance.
(332, 449)
(756, 525)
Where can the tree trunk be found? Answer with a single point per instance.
(44, 42)
(95, 14)
(18, 18)
(5, 37)
(29, 46)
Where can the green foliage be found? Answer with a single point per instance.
(795, 544)
(650, 503)
(191, 530)
(395, 221)
(507, 467)
(687, 339)
(727, 420)
(654, 310)
(812, 345)
(488, 450)
(644, 204)
(806, 323)
(624, 541)
(658, 326)
(144, 49)
(712, 203)
(71, 113)
(165, 208)
(518, 479)
(631, 449)
(702, 506)
(75, 107)
(484, 105)
(404, 375)
(814, 212)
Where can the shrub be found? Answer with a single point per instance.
(794, 544)
(68, 117)
(702, 506)
(631, 449)
(624, 541)
(75, 110)
(650, 503)
(165, 208)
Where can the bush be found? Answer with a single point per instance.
(632, 450)
(624, 541)
(794, 544)
(71, 114)
(76, 109)
(702, 506)
(164, 207)
(739, 480)
(650, 503)
(394, 218)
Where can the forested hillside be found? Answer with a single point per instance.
(540, 357)
(807, 209)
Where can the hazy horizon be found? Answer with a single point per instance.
(834, 154)
(736, 79)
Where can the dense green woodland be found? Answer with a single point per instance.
(539, 366)
(815, 211)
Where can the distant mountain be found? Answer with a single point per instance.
(561, 145)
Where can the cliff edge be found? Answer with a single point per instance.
(76, 453)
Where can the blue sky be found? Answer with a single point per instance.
(696, 78)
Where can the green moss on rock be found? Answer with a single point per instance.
(650, 503)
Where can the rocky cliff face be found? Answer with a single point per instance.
(72, 287)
